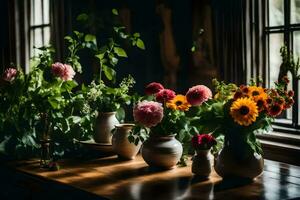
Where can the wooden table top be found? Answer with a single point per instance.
(115, 179)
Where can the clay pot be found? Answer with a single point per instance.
(162, 151)
(236, 160)
(104, 125)
(202, 164)
(120, 143)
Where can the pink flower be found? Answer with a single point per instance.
(165, 95)
(153, 88)
(203, 141)
(148, 113)
(10, 74)
(198, 94)
(64, 71)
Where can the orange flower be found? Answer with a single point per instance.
(179, 103)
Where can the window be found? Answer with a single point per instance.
(39, 25)
(283, 27)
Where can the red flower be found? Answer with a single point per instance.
(269, 100)
(153, 88)
(275, 110)
(198, 95)
(286, 80)
(291, 93)
(165, 95)
(245, 90)
(237, 95)
(203, 141)
(10, 74)
(289, 103)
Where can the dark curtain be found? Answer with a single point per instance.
(7, 40)
(239, 39)
(229, 23)
(60, 25)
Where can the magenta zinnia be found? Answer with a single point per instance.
(165, 95)
(198, 95)
(64, 71)
(203, 141)
(148, 113)
(153, 88)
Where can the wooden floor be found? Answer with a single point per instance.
(112, 178)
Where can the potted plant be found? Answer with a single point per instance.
(107, 100)
(238, 114)
(158, 120)
(40, 106)
(103, 94)
(202, 144)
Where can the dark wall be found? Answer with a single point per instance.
(145, 66)
(5, 46)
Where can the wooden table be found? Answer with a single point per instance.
(111, 178)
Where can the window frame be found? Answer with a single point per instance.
(43, 25)
(287, 29)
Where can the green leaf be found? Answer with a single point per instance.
(193, 49)
(90, 38)
(109, 72)
(82, 17)
(120, 114)
(120, 52)
(75, 119)
(54, 103)
(115, 11)
(140, 44)
(100, 56)
(136, 35)
(69, 85)
(69, 38)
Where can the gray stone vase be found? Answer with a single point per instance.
(202, 163)
(162, 151)
(120, 144)
(105, 123)
(235, 162)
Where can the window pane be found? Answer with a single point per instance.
(36, 40)
(295, 11)
(296, 45)
(46, 12)
(36, 12)
(46, 35)
(275, 42)
(276, 12)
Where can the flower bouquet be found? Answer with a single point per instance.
(108, 103)
(202, 143)
(162, 117)
(237, 114)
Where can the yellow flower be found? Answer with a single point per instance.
(255, 92)
(179, 103)
(244, 111)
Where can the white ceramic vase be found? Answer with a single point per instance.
(104, 125)
(162, 151)
(120, 143)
